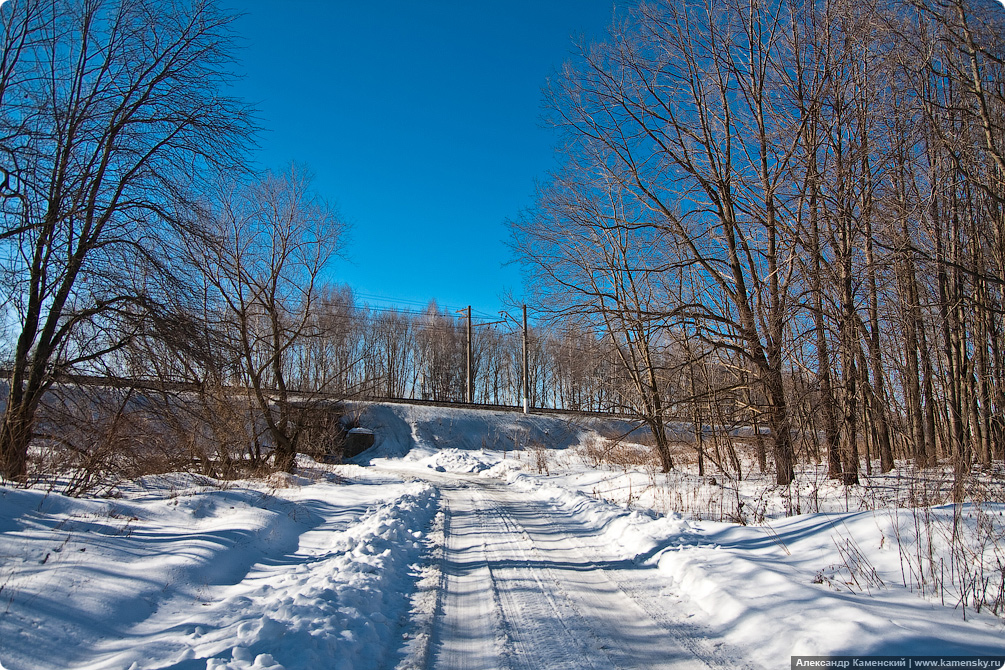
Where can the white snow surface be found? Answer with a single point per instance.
(347, 566)
(181, 573)
(785, 589)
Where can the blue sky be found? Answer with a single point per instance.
(422, 121)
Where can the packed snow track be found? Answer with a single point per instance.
(528, 586)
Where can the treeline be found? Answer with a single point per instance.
(808, 197)
(785, 216)
(351, 350)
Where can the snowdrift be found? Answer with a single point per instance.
(182, 573)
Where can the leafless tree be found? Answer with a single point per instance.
(110, 111)
(270, 242)
(331, 360)
(440, 355)
(674, 122)
(812, 190)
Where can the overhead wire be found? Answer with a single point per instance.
(442, 310)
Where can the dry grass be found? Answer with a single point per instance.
(90, 439)
(957, 558)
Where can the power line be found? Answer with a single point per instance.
(411, 306)
(360, 310)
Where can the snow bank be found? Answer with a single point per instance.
(341, 610)
(798, 577)
(455, 460)
(181, 573)
(633, 534)
(817, 584)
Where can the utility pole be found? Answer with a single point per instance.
(469, 387)
(471, 380)
(526, 367)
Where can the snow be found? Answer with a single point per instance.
(414, 432)
(750, 579)
(218, 575)
(796, 577)
(343, 566)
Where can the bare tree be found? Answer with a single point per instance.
(440, 347)
(392, 335)
(805, 188)
(331, 360)
(271, 241)
(675, 122)
(107, 120)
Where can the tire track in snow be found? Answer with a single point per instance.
(536, 615)
(525, 589)
(643, 597)
(470, 633)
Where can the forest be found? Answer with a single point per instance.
(799, 205)
(786, 217)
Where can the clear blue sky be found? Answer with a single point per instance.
(421, 119)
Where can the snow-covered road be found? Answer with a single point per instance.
(528, 585)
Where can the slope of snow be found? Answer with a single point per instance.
(414, 432)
